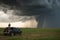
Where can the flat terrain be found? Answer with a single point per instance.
(34, 34)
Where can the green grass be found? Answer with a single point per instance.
(34, 34)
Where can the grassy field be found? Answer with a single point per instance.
(34, 34)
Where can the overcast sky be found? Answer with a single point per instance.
(46, 12)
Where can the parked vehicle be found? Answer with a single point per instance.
(12, 31)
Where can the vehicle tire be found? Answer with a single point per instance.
(5, 34)
(12, 34)
(20, 33)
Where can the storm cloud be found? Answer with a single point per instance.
(11, 13)
(46, 12)
(28, 7)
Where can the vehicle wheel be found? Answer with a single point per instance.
(5, 34)
(20, 33)
(12, 34)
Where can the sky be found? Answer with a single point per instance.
(8, 15)
(45, 12)
(19, 24)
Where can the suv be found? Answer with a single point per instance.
(12, 31)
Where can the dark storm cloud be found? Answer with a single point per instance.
(25, 8)
(32, 7)
(46, 12)
(28, 7)
(8, 2)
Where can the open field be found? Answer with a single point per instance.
(34, 34)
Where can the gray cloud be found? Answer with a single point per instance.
(46, 12)
(9, 15)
